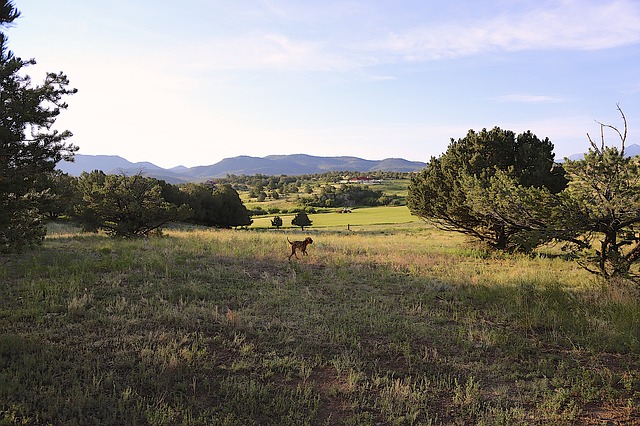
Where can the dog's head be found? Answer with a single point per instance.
(308, 240)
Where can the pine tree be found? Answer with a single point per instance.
(29, 147)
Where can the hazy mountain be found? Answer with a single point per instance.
(296, 164)
(106, 163)
(629, 151)
(397, 165)
(291, 165)
(114, 164)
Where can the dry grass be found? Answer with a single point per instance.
(386, 325)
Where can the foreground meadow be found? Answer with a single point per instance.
(384, 325)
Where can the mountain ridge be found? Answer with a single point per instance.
(630, 151)
(286, 164)
(290, 164)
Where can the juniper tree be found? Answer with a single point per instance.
(301, 219)
(438, 194)
(276, 222)
(125, 206)
(596, 218)
(228, 210)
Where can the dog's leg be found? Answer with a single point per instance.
(293, 252)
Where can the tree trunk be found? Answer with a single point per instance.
(500, 237)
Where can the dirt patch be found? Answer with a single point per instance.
(333, 409)
(609, 416)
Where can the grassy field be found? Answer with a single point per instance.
(358, 218)
(393, 187)
(381, 325)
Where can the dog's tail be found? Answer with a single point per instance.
(289, 241)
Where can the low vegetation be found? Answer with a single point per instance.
(399, 324)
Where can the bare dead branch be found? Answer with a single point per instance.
(593, 144)
(624, 120)
(621, 135)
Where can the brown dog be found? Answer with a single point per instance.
(299, 245)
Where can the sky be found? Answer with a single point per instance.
(193, 82)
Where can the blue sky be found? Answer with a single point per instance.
(193, 82)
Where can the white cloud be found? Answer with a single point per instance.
(567, 24)
(351, 45)
(266, 51)
(571, 25)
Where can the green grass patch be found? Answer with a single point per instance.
(398, 187)
(358, 218)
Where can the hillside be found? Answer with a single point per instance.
(291, 165)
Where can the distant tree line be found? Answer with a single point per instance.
(245, 182)
(136, 205)
(349, 195)
(262, 187)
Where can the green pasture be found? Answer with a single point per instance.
(359, 217)
(394, 187)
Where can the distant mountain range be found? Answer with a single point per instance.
(292, 165)
(629, 151)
